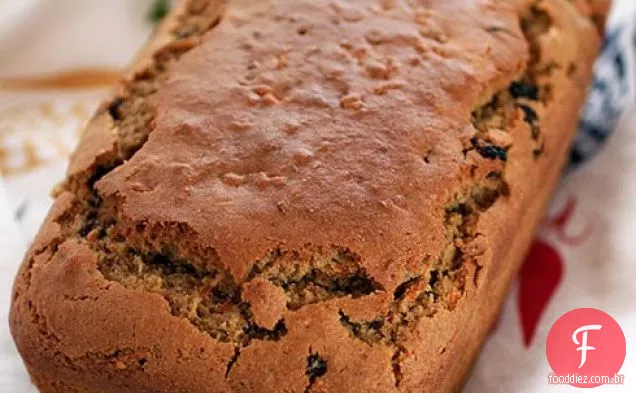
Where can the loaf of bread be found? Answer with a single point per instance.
(305, 196)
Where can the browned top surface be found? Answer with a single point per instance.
(305, 123)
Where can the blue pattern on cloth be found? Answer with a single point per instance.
(611, 93)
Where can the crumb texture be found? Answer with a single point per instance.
(323, 183)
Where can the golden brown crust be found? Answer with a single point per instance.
(307, 196)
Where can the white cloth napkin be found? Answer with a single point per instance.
(38, 129)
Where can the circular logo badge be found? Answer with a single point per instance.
(586, 344)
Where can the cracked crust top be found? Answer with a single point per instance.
(306, 195)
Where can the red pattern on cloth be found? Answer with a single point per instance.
(543, 270)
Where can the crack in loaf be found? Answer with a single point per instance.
(196, 287)
(133, 109)
(208, 296)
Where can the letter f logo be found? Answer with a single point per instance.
(584, 347)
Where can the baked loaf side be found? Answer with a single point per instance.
(305, 196)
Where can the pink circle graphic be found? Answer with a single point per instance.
(586, 343)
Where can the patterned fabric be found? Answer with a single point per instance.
(611, 93)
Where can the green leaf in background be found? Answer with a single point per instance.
(159, 10)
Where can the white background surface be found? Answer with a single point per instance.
(62, 34)
(13, 14)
